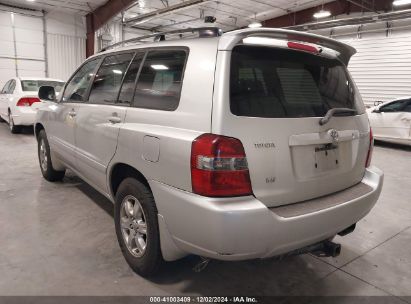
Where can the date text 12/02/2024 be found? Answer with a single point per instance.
(204, 299)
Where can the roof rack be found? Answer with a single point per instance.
(203, 32)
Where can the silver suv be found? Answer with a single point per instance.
(250, 144)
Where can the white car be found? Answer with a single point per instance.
(19, 100)
(391, 121)
(247, 145)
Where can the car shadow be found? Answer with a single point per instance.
(392, 145)
(27, 130)
(24, 130)
(70, 179)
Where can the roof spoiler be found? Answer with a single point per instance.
(230, 39)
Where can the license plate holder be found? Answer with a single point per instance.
(326, 157)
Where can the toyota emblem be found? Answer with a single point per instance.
(334, 135)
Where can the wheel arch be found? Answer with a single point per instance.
(37, 128)
(119, 172)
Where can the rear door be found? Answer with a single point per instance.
(99, 120)
(274, 103)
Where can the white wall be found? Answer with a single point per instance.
(22, 47)
(66, 44)
(116, 31)
(382, 66)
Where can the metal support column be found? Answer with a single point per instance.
(14, 43)
(46, 61)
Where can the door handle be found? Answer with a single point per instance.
(406, 119)
(114, 119)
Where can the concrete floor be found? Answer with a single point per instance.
(59, 239)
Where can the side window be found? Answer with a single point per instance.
(107, 82)
(11, 87)
(159, 84)
(6, 87)
(76, 89)
(395, 106)
(407, 108)
(127, 89)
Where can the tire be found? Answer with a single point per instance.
(13, 128)
(46, 167)
(136, 198)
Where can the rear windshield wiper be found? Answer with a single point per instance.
(334, 111)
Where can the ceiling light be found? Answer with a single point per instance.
(255, 24)
(117, 72)
(159, 67)
(401, 2)
(30, 0)
(322, 14)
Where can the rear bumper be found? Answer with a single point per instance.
(244, 228)
(24, 116)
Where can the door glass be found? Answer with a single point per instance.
(106, 84)
(408, 107)
(12, 87)
(160, 80)
(77, 88)
(127, 89)
(5, 88)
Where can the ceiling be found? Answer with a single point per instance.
(230, 14)
(68, 6)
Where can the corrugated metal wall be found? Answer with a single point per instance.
(72, 49)
(382, 67)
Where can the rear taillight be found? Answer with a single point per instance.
(370, 148)
(27, 101)
(219, 166)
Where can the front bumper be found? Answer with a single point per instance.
(244, 228)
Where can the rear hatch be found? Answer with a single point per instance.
(276, 99)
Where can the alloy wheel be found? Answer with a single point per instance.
(133, 226)
(43, 155)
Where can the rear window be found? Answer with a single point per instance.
(34, 85)
(276, 83)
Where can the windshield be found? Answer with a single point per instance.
(279, 83)
(34, 85)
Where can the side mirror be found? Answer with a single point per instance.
(47, 93)
(376, 111)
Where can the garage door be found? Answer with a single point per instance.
(22, 46)
(382, 66)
